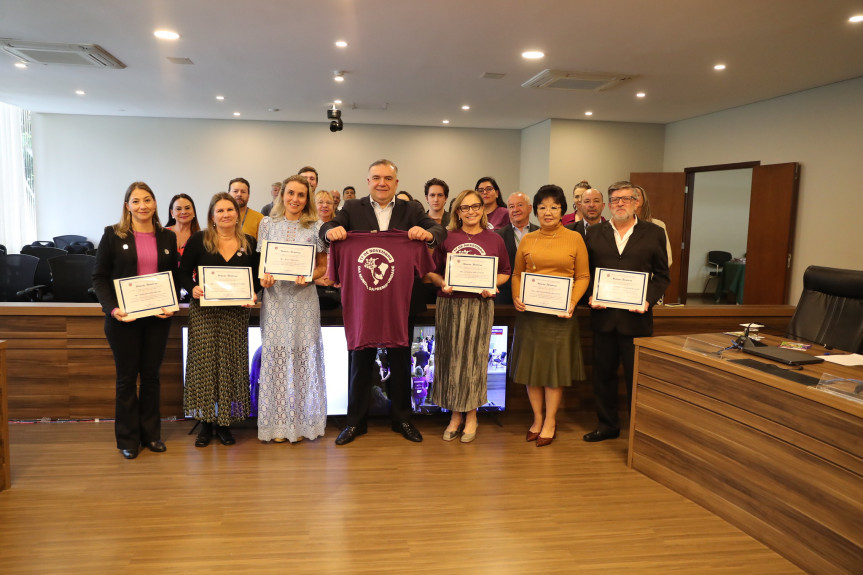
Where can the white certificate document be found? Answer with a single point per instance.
(471, 273)
(620, 289)
(546, 294)
(147, 295)
(287, 260)
(225, 285)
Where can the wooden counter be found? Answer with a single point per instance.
(5, 475)
(781, 460)
(60, 365)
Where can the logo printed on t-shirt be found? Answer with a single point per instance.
(376, 268)
(469, 248)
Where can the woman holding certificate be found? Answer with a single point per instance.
(136, 245)
(292, 396)
(465, 312)
(219, 268)
(546, 350)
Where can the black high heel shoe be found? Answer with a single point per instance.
(204, 435)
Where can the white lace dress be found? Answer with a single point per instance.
(292, 397)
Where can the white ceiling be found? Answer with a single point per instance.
(422, 61)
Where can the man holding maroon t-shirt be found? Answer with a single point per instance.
(381, 211)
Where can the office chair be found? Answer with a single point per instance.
(17, 274)
(715, 261)
(43, 243)
(73, 278)
(830, 310)
(63, 242)
(2, 249)
(43, 270)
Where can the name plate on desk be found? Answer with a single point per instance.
(471, 273)
(225, 285)
(287, 260)
(546, 294)
(146, 295)
(620, 289)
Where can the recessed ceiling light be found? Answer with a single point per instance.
(588, 113)
(465, 107)
(719, 67)
(341, 44)
(166, 35)
(640, 95)
(445, 122)
(80, 92)
(855, 19)
(21, 65)
(236, 113)
(532, 55)
(220, 98)
(337, 102)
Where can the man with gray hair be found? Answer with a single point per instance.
(518, 206)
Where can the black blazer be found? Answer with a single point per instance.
(644, 252)
(359, 216)
(117, 258)
(579, 227)
(508, 234)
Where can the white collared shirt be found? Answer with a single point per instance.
(519, 233)
(621, 241)
(384, 214)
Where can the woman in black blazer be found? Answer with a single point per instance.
(136, 245)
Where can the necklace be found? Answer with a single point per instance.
(535, 240)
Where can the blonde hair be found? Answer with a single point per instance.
(124, 226)
(310, 212)
(455, 222)
(211, 238)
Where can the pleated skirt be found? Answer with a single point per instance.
(546, 351)
(462, 334)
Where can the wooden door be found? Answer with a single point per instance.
(772, 216)
(667, 194)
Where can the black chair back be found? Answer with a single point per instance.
(17, 272)
(2, 249)
(80, 247)
(830, 310)
(73, 277)
(63, 242)
(43, 270)
(719, 258)
(43, 243)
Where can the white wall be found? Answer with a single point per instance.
(85, 163)
(535, 159)
(821, 129)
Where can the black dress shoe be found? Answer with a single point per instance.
(408, 431)
(601, 435)
(223, 432)
(130, 453)
(157, 446)
(204, 435)
(350, 433)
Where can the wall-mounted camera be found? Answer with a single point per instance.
(336, 116)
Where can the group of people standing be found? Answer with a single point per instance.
(396, 242)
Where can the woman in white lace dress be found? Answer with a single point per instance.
(292, 397)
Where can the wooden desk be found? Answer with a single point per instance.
(5, 476)
(780, 460)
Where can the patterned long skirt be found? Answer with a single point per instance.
(546, 350)
(462, 334)
(217, 365)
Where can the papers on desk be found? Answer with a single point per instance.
(850, 359)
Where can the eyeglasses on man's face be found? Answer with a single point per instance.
(622, 200)
(469, 208)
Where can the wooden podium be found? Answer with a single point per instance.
(5, 474)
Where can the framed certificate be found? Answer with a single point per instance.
(287, 260)
(226, 285)
(620, 289)
(147, 295)
(471, 273)
(546, 294)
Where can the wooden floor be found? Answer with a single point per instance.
(380, 505)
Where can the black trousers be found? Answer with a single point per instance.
(361, 362)
(610, 349)
(138, 348)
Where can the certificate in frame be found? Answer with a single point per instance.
(546, 294)
(226, 285)
(287, 260)
(620, 289)
(471, 273)
(146, 295)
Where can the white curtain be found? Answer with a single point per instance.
(17, 206)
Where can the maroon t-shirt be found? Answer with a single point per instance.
(485, 243)
(376, 271)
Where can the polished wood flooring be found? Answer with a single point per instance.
(379, 505)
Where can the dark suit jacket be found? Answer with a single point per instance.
(579, 227)
(359, 216)
(508, 235)
(644, 252)
(118, 258)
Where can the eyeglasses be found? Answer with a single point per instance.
(471, 208)
(548, 208)
(487, 189)
(622, 200)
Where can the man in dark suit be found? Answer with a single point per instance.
(591, 207)
(623, 243)
(380, 211)
(519, 208)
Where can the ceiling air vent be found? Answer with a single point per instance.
(562, 80)
(63, 54)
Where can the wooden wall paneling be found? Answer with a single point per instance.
(38, 379)
(5, 464)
